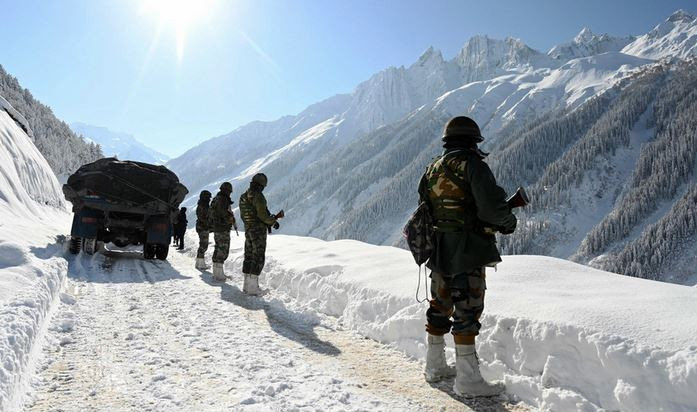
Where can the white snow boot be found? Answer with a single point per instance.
(201, 264)
(436, 366)
(251, 285)
(218, 273)
(469, 382)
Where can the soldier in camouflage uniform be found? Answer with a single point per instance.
(467, 208)
(258, 221)
(221, 220)
(202, 208)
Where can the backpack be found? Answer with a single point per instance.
(419, 233)
(418, 230)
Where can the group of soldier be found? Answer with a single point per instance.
(216, 216)
(467, 208)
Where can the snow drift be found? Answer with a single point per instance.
(561, 335)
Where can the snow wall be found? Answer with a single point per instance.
(32, 211)
(561, 335)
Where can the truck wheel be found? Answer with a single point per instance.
(75, 244)
(89, 246)
(148, 251)
(162, 251)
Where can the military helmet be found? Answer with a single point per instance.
(260, 179)
(205, 194)
(226, 187)
(462, 127)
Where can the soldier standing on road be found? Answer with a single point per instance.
(258, 221)
(180, 228)
(202, 229)
(221, 221)
(467, 208)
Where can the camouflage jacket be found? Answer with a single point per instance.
(220, 216)
(464, 199)
(202, 216)
(254, 211)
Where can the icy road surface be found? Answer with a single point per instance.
(131, 334)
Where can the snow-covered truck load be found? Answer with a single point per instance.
(124, 202)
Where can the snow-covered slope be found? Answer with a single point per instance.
(61, 148)
(26, 181)
(32, 213)
(388, 96)
(119, 144)
(675, 37)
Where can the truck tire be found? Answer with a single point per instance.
(75, 245)
(162, 251)
(149, 251)
(89, 245)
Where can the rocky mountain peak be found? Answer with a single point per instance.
(680, 16)
(584, 36)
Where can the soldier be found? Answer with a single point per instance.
(180, 228)
(467, 208)
(202, 229)
(258, 221)
(221, 221)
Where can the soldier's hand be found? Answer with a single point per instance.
(276, 225)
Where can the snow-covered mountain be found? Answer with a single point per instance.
(675, 37)
(588, 44)
(63, 149)
(347, 167)
(119, 144)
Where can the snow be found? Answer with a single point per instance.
(31, 215)
(518, 96)
(587, 44)
(558, 333)
(676, 37)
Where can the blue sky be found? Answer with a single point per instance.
(102, 62)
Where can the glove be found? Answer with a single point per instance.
(276, 225)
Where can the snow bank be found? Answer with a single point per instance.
(32, 211)
(562, 336)
(27, 183)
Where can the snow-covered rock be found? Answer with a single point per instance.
(119, 144)
(675, 37)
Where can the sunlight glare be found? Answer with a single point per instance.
(179, 15)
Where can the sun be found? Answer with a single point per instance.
(179, 15)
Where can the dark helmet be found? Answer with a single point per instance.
(205, 194)
(226, 187)
(260, 179)
(460, 128)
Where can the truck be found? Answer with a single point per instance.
(123, 202)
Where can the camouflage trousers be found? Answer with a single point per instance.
(222, 246)
(460, 297)
(203, 239)
(254, 250)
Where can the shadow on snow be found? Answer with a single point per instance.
(288, 324)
